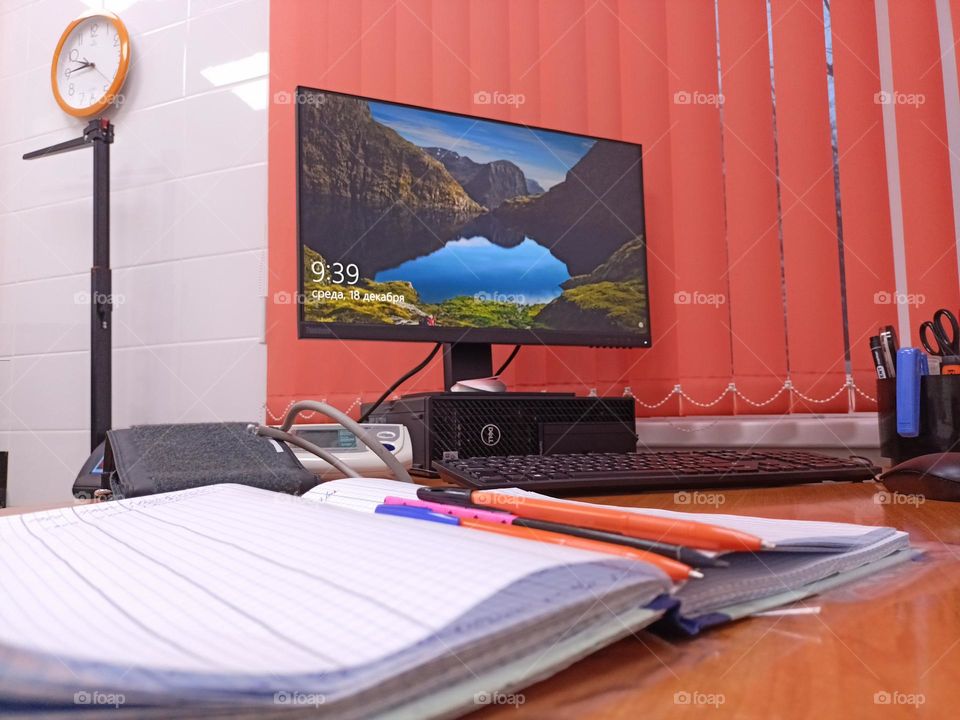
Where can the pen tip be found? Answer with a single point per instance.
(767, 545)
(696, 575)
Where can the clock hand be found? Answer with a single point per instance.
(100, 71)
(81, 66)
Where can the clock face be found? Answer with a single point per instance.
(90, 64)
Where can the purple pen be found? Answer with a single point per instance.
(494, 516)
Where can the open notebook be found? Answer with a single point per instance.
(236, 600)
(809, 556)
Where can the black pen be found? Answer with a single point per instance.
(888, 338)
(876, 350)
(686, 555)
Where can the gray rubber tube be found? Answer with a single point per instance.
(389, 459)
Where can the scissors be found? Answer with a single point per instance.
(946, 344)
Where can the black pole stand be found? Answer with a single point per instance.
(99, 134)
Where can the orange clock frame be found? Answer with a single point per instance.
(122, 70)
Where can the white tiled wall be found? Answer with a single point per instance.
(189, 208)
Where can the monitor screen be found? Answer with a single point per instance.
(422, 225)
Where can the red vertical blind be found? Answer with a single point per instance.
(699, 236)
(924, 159)
(810, 252)
(744, 260)
(867, 241)
(753, 240)
(562, 67)
(645, 118)
(955, 22)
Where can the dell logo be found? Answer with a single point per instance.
(490, 435)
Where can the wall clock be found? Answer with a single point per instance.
(90, 63)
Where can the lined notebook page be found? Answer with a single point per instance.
(233, 579)
(360, 494)
(366, 494)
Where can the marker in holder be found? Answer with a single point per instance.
(911, 366)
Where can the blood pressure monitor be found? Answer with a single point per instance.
(345, 445)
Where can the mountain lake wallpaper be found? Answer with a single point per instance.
(415, 217)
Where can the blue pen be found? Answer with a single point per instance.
(911, 366)
(416, 513)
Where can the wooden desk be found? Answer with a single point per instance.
(36, 508)
(904, 640)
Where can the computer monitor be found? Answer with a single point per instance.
(421, 225)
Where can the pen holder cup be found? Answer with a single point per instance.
(939, 418)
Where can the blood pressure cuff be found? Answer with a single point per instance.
(148, 459)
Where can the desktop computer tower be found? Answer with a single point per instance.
(445, 426)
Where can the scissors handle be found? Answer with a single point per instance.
(945, 343)
(934, 348)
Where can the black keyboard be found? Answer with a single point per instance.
(671, 470)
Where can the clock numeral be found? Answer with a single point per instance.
(75, 55)
(94, 29)
(116, 40)
(70, 89)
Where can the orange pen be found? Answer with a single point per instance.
(688, 533)
(675, 570)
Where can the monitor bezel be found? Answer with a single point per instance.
(310, 329)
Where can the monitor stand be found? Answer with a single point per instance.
(466, 361)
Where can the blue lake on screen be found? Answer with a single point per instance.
(526, 273)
